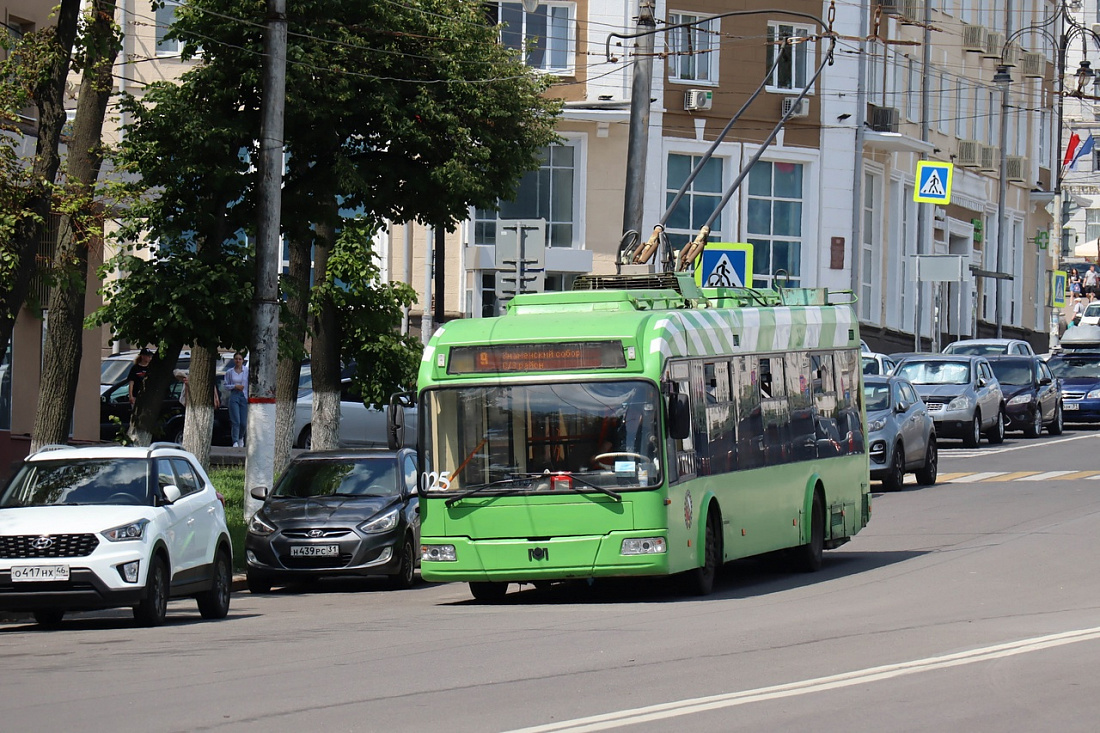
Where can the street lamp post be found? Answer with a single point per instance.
(1002, 79)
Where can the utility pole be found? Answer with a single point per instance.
(922, 209)
(638, 142)
(1002, 183)
(260, 460)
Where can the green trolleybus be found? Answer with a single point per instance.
(640, 426)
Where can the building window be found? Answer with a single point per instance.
(693, 50)
(548, 193)
(960, 109)
(546, 36)
(774, 222)
(868, 253)
(489, 294)
(793, 69)
(1092, 224)
(699, 201)
(166, 16)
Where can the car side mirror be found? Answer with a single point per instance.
(900, 407)
(981, 381)
(1045, 380)
(679, 417)
(259, 492)
(171, 494)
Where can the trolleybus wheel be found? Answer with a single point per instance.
(488, 592)
(808, 557)
(700, 580)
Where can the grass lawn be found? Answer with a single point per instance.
(230, 482)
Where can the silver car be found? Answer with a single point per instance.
(901, 433)
(963, 396)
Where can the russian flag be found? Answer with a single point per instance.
(1074, 141)
(1084, 150)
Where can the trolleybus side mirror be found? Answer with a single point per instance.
(395, 419)
(679, 417)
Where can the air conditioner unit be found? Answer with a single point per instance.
(884, 119)
(890, 7)
(974, 37)
(970, 154)
(1016, 168)
(696, 99)
(1033, 65)
(994, 45)
(795, 107)
(911, 9)
(1012, 54)
(990, 154)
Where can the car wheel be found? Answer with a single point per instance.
(1035, 427)
(808, 557)
(48, 618)
(894, 480)
(1058, 425)
(927, 474)
(214, 603)
(305, 438)
(257, 584)
(971, 439)
(996, 433)
(488, 592)
(700, 581)
(406, 574)
(154, 606)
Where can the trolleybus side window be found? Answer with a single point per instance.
(681, 452)
(720, 411)
(803, 437)
(775, 411)
(750, 431)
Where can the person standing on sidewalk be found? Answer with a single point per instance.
(236, 381)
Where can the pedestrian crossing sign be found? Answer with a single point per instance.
(933, 182)
(725, 265)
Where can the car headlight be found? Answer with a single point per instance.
(962, 402)
(384, 523)
(877, 424)
(1093, 394)
(1020, 399)
(259, 525)
(126, 532)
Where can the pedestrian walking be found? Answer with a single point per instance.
(1091, 281)
(135, 379)
(236, 381)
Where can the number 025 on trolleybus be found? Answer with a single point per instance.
(647, 428)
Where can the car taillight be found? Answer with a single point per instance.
(220, 498)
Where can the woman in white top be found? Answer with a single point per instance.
(236, 381)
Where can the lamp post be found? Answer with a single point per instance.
(1002, 80)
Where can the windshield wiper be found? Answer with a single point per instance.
(527, 477)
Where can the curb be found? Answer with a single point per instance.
(240, 583)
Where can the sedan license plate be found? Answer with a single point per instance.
(314, 550)
(1070, 405)
(39, 573)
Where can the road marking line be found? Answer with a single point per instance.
(946, 477)
(971, 478)
(1048, 475)
(691, 706)
(1013, 476)
(1081, 474)
(1019, 446)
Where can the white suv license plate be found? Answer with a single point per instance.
(1070, 405)
(39, 573)
(314, 550)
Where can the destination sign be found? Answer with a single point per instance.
(536, 357)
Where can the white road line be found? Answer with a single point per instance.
(691, 706)
(977, 477)
(1045, 476)
(1019, 446)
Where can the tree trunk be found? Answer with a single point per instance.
(293, 331)
(198, 430)
(325, 354)
(145, 420)
(64, 334)
(49, 94)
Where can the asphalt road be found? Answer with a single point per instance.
(971, 606)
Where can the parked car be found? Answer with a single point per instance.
(336, 514)
(1078, 366)
(901, 433)
(962, 394)
(111, 526)
(361, 425)
(1091, 315)
(989, 347)
(1033, 396)
(115, 402)
(116, 367)
(875, 363)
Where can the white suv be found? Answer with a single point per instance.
(103, 527)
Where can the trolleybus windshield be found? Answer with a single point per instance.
(522, 438)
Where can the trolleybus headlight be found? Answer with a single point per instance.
(644, 546)
(438, 553)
